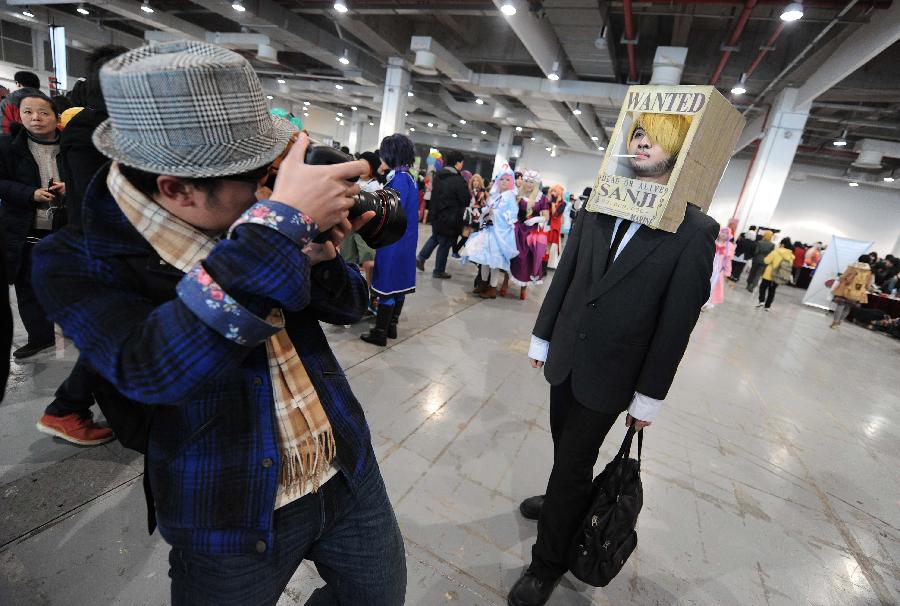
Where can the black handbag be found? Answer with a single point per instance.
(607, 536)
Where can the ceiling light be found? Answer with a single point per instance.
(461, 121)
(534, 138)
(306, 114)
(340, 114)
(238, 6)
(306, 103)
(554, 73)
(518, 129)
(853, 184)
(371, 124)
(339, 86)
(82, 11)
(548, 148)
(454, 135)
(353, 107)
(888, 179)
(146, 7)
(409, 93)
(28, 13)
(479, 100)
(842, 141)
(600, 148)
(337, 119)
(269, 97)
(484, 132)
(281, 81)
(577, 110)
(412, 129)
(595, 138)
(431, 125)
(406, 114)
(792, 12)
(508, 9)
(739, 88)
(342, 122)
(340, 6)
(344, 59)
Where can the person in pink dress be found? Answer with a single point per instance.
(721, 268)
(531, 235)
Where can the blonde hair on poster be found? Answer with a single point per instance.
(668, 130)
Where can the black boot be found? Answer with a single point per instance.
(378, 334)
(395, 317)
(531, 507)
(529, 590)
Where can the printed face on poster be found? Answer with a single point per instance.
(662, 154)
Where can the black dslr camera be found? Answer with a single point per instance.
(389, 223)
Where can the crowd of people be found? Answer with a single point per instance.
(193, 286)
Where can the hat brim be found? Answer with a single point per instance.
(105, 141)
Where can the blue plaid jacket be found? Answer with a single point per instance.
(212, 457)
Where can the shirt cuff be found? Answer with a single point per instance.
(215, 308)
(282, 218)
(644, 408)
(538, 349)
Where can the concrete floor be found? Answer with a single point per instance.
(770, 477)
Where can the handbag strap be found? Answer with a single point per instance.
(625, 449)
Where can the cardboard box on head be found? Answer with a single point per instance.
(670, 147)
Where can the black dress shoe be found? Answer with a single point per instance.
(530, 591)
(420, 265)
(31, 349)
(531, 507)
(442, 276)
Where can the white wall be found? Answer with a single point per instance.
(810, 208)
(574, 170)
(321, 124)
(814, 208)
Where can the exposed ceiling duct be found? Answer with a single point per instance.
(668, 65)
(263, 45)
(872, 151)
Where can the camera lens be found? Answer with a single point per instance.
(389, 223)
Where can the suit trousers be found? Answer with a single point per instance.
(578, 432)
(756, 272)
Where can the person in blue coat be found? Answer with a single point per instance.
(395, 265)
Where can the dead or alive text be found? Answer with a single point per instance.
(679, 103)
(641, 199)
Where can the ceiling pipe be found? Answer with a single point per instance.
(802, 54)
(768, 46)
(630, 42)
(733, 40)
(827, 4)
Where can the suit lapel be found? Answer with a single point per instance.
(601, 236)
(637, 249)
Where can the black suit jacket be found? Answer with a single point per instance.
(625, 330)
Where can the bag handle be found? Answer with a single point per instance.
(625, 449)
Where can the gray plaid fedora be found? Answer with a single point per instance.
(187, 109)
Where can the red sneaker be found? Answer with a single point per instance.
(75, 429)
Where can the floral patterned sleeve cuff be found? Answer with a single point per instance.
(282, 218)
(215, 308)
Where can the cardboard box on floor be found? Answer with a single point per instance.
(708, 145)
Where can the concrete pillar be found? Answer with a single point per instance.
(354, 140)
(773, 160)
(504, 148)
(393, 107)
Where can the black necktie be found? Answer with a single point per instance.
(617, 241)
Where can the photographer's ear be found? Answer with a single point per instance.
(176, 190)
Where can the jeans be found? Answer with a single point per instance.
(37, 325)
(443, 244)
(578, 432)
(767, 292)
(353, 540)
(74, 395)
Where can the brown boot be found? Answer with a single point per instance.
(480, 288)
(505, 286)
(523, 293)
(489, 293)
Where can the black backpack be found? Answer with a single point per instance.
(607, 536)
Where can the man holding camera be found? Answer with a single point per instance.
(195, 301)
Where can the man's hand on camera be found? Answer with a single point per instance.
(322, 193)
(341, 231)
(319, 253)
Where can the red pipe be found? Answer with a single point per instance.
(762, 52)
(629, 40)
(733, 40)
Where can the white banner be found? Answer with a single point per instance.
(841, 253)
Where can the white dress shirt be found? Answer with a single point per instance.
(643, 408)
